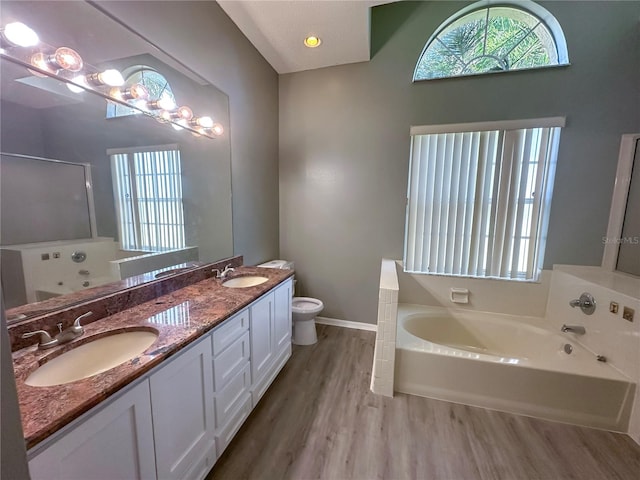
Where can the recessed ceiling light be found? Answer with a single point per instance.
(312, 42)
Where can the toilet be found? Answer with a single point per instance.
(303, 309)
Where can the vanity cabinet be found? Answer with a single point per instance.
(270, 320)
(178, 420)
(115, 442)
(183, 415)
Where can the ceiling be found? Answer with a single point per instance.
(277, 29)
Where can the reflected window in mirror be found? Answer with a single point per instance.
(142, 85)
(147, 188)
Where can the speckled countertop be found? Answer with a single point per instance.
(179, 317)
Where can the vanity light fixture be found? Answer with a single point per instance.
(182, 113)
(110, 77)
(64, 58)
(163, 103)
(18, 34)
(203, 122)
(312, 41)
(134, 92)
(217, 129)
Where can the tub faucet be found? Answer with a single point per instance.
(586, 302)
(223, 274)
(577, 329)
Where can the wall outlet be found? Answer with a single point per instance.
(628, 313)
(613, 307)
(56, 254)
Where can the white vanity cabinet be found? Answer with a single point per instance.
(270, 321)
(178, 420)
(115, 442)
(183, 415)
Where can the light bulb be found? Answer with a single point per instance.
(110, 77)
(19, 35)
(163, 103)
(204, 122)
(217, 129)
(184, 112)
(64, 58)
(312, 41)
(134, 92)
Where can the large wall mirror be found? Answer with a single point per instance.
(66, 165)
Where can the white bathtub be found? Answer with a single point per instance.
(507, 363)
(44, 292)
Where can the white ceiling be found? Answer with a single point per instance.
(277, 28)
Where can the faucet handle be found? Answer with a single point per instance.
(76, 327)
(45, 339)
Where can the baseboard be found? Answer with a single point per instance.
(346, 324)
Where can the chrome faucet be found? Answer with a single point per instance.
(65, 336)
(586, 302)
(577, 329)
(223, 274)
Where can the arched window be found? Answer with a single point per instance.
(155, 83)
(488, 37)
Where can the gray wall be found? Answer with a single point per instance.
(202, 36)
(344, 142)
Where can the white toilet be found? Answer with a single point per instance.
(304, 310)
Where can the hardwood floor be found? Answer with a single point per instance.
(319, 420)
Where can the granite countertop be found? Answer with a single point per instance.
(180, 318)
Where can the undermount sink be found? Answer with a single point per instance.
(91, 358)
(243, 282)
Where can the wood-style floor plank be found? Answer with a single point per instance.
(319, 420)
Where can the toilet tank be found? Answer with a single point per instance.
(283, 264)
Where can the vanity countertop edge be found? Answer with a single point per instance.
(180, 317)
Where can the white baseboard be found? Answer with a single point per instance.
(346, 324)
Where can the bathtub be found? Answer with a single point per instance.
(44, 292)
(508, 363)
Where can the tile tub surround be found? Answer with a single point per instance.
(107, 300)
(180, 317)
(385, 347)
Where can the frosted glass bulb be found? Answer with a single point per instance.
(204, 122)
(18, 34)
(111, 77)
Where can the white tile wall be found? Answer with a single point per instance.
(384, 354)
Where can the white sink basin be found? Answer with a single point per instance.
(92, 358)
(243, 282)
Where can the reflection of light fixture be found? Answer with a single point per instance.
(182, 113)
(19, 35)
(163, 103)
(312, 41)
(204, 122)
(77, 84)
(134, 92)
(180, 124)
(63, 58)
(217, 129)
(110, 77)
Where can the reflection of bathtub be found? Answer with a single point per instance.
(44, 292)
(507, 363)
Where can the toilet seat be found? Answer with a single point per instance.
(306, 305)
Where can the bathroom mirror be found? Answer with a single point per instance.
(622, 243)
(44, 123)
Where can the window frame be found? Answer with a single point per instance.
(527, 6)
(137, 239)
(503, 127)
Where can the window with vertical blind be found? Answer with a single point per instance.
(147, 186)
(479, 196)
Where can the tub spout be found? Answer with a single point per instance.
(577, 329)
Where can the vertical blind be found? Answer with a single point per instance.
(147, 187)
(478, 200)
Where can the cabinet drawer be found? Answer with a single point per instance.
(230, 362)
(228, 399)
(238, 417)
(229, 331)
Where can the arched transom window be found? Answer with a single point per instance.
(487, 37)
(156, 84)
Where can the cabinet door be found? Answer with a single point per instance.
(114, 443)
(262, 340)
(282, 317)
(183, 417)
